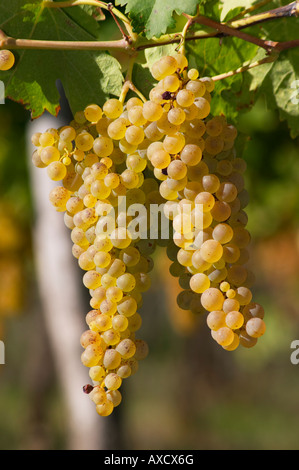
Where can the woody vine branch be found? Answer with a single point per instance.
(131, 43)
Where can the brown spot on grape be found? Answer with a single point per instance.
(87, 388)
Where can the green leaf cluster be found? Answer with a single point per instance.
(86, 76)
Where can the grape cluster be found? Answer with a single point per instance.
(167, 150)
(101, 172)
(203, 185)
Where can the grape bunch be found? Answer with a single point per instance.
(113, 161)
(203, 185)
(101, 172)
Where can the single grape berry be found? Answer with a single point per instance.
(7, 60)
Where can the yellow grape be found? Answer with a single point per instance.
(7, 60)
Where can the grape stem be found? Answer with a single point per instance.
(292, 9)
(246, 66)
(129, 85)
(131, 43)
(124, 35)
(7, 42)
(229, 31)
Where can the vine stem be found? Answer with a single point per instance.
(7, 42)
(283, 46)
(182, 46)
(245, 67)
(292, 9)
(131, 45)
(254, 7)
(230, 31)
(124, 35)
(129, 85)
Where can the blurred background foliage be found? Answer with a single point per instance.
(188, 393)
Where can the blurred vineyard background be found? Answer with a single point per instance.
(188, 393)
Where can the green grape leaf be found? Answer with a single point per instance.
(278, 82)
(155, 53)
(224, 10)
(234, 5)
(280, 89)
(152, 17)
(213, 57)
(86, 76)
(211, 8)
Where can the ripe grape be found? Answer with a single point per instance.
(170, 150)
(93, 113)
(234, 320)
(255, 327)
(212, 299)
(216, 319)
(7, 60)
(224, 336)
